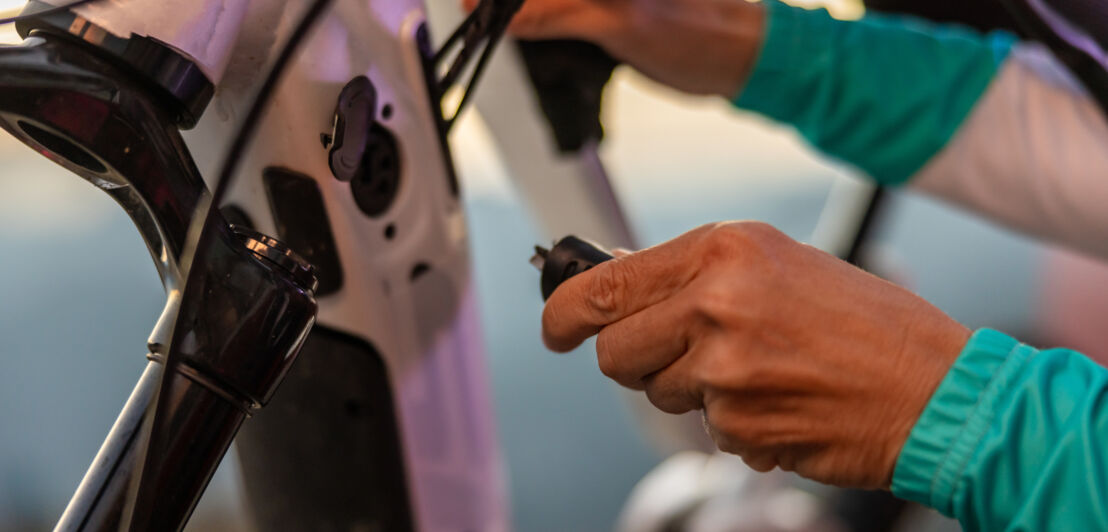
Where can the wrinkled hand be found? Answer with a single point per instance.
(798, 359)
(698, 46)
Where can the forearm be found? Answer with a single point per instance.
(976, 120)
(1033, 155)
(883, 93)
(1013, 439)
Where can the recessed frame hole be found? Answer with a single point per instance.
(62, 147)
(419, 270)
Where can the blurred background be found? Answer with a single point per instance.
(82, 297)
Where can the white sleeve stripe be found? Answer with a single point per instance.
(1033, 155)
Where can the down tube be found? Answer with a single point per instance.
(386, 420)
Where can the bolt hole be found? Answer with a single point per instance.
(386, 111)
(390, 231)
(419, 270)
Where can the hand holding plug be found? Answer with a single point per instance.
(798, 359)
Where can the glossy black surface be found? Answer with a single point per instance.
(241, 321)
(355, 112)
(174, 79)
(302, 224)
(246, 320)
(569, 257)
(208, 421)
(87, 115)
(235, 215)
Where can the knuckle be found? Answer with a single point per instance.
(708, 372)
(725, 370)
(608, 287)
(719, 300)
(742, 239)
(723, 241)
(728, 377)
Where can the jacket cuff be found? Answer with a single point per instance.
(963, 407)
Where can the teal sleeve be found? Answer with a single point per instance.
(1013, 439)
(882, 93)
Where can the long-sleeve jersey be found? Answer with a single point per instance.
(1014, 438)
(983, 121)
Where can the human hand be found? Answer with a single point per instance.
(697, 46)
(798, 359)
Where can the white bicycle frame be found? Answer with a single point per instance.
(407, 287)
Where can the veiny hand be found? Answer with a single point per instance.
(698, 46)
(798, 359)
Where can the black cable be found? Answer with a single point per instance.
(484, 27)
(456, 37)
(261, 99)
(45, 12)
(486, 54)
(200, 234)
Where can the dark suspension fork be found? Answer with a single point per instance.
(246, 320)
(109, 110)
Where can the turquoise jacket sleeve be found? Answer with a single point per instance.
(883, 93)
(1013, 439)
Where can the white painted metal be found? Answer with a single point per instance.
(567, 194)
(428, 330)
(204, 30)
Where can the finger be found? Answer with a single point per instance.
(547, 19)
(613, 290)
(724, 424)
(682, 386)
(645, 342)
(561, 19)
(762, 463)
(674, 389)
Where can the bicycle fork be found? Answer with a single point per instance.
(73, 95)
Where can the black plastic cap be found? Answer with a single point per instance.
(569, 257)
